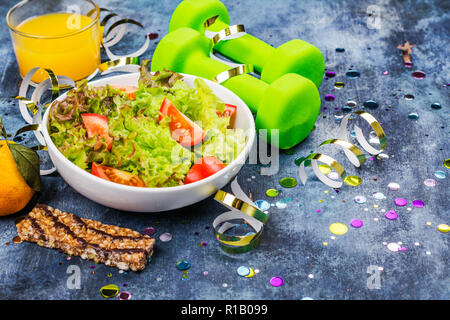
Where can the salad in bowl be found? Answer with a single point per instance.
(148, 141)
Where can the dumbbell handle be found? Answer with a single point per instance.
(249, 88)
(246, 49)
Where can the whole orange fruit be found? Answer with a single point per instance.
(14, 191)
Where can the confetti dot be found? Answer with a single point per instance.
(400, 202)
(418, 204)
(276, 281)
(109, 291)
(444, 228)
(353, 74)
(393, 246)
(325, 243)
(149, 231)
(413, 116)
(382, 157)
(447, 163)
(272, 193)
(288, 182)
(440, 174)
(430, 182)
(262, 205)
(183, 265)
(391, 215)
(338, 228)
(165, 237)
(125, 295)
(329, 97)
(225, 285)
(353, 181)
(379, 196)
(356, 223)
(339, 85)
(281, 204)
(243, 271)
(360, 199)
(251, 274)
(371, 104)
(311, 276)
(418, 74)
(436, 105)
(428, 223)
(205, 273)
(393, 186)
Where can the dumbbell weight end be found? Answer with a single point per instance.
(291, 105)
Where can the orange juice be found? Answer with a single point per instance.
(67, 43)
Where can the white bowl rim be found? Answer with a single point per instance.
(241, 158)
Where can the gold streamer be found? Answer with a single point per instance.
(354, 154)
(243, 210)
(228, 74)
(224, 35)
(227, 32)
(118, 63)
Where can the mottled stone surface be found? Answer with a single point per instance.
(292, 247)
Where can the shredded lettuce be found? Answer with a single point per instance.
(142, 144)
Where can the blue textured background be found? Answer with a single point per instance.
(292, 246)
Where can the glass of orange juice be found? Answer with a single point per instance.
(61, 35)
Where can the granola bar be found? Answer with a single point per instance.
(112, 245)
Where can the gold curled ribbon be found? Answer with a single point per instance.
(242, 209)
(114, 34)
(122, 62)
(354, 154)
(226, 33)
(236, 71)
(209, 22)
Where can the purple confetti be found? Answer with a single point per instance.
(356, 223)
(149, 231)
(418, 203)
(400, 202)
(330, 74)
(329, 97)
(276, 281)
(391, 215)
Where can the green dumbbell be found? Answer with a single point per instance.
(290, 104)
(295, 56)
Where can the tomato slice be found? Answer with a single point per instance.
(184, 130)
(229, 111)
(205, 167)
(129, 90)
(116, 175)
(97, 124)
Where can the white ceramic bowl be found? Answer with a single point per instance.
(128, 198)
